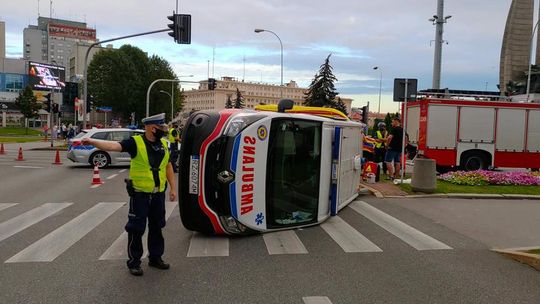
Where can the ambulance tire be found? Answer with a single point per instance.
(471, 161)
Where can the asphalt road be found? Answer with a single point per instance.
(59, 259)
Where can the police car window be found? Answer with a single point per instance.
(120, 135)
(101, 135)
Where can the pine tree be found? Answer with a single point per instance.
(239, 101)
(340, 105)
(228, 103)
(321, 91)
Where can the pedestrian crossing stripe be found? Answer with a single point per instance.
(117, 251)
(6, 205)
(55, 243)
(287, 242)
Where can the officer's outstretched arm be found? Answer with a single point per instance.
(103, 144)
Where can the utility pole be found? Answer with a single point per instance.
(438, 20)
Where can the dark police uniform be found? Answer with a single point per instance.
(146, 187)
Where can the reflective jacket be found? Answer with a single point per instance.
(140, 171)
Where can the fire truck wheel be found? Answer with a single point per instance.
(473, 161)
(443, 169)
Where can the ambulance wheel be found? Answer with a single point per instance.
(473, 161)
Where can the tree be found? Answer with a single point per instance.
(340, 105)
(321, 91)
(27, 104)
(119, 78)
(239, 101)
(228, 103)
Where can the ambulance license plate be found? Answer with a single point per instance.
(194, 174)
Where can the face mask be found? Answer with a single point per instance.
(159, 133)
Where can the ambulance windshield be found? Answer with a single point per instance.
(293, 172)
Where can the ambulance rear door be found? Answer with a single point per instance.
(346, 173)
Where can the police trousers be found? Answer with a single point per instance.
(143, 206)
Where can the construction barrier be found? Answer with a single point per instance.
(96, 180)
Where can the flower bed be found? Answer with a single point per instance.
(483, 177)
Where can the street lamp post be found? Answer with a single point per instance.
(172, 103)
(530, 59)
(281, 45)
(156, 81)
(380, 89)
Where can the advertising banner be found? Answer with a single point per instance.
(42, 76)
(72, 32)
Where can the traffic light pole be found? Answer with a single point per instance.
(85, 76)
(156, 81)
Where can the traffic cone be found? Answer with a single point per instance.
(20, 157)
(2, 152)
(96, 180)
(57, 159)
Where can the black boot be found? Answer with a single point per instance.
(159, 264)
(136, 271)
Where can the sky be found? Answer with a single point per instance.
(394, 35)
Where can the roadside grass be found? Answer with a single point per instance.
(10, 131)
(534, 251)
(13, 139)
(446, 187)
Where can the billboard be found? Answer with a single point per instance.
(42, 76)
(72, 32)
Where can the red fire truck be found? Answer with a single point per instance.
(474, 130)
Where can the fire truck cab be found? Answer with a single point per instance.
(474, 130)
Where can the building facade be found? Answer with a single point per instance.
(53, 40)
(253, 94)
(516, 45)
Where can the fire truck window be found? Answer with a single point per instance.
(293, 172)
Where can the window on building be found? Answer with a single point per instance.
(14, 82)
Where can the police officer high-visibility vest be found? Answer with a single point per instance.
(379, 145)
(140, 171)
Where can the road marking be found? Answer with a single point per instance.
(6, 205)
(27, 219)
(27, 167)
(207, 246)
(117, 251)
(347, 237)
(55, 243)
(122, 171)
(112, 176)
(284, 242)
(406, 233)
(96, 185)
(316, 300)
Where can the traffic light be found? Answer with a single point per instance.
(180, 28)
(365, 113)
(212, 83)
(89, 103)
(48, 103)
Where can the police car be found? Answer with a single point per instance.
(88, 154)
(245, 171)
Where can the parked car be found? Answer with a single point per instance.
(89, 154)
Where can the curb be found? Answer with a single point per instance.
(519, 255)
(379, 194)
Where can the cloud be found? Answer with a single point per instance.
(392, 34)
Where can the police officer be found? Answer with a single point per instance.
(174, 140)
(149, 172)
(380, 146)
